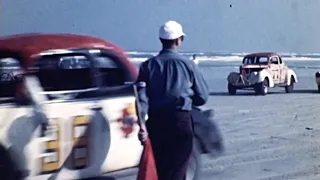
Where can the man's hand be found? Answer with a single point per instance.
(143, 134)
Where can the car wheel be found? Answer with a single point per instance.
(194, 166)
(262, 88)
(289, 88)
(231, 89)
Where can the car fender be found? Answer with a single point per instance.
(289, 74)
(265, 74)
(233, 77)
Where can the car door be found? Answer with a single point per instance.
(118, 106)
(274, 68)
(102, 123)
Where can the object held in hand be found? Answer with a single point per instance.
(143, 134)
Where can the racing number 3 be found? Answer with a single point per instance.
(51, 160)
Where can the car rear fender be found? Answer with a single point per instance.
(263, 74)
(290, 74)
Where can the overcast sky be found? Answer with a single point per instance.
(211, 25)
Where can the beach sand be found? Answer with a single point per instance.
(272, 137)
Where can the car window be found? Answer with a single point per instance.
(274, 60)
(74, 72)
(10, 69)
(111, 72)
(249, 60)
(255, 60)
(263, 60)
(63, 72)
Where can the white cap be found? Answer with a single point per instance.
(171, 30)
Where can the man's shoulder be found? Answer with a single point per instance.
(148, 60)
(185, 60)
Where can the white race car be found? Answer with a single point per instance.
(260, 71)
(67, 109)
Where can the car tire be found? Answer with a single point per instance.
(231, 89)
(262, 88)
(194, 167)
(289, 88)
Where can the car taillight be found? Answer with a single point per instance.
(128, 119)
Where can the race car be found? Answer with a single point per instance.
(260, 71)
(67, 109)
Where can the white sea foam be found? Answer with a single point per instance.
(237, 58)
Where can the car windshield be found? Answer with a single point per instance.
(255, 60)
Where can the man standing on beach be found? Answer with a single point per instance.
(173, 86)
(194, 59)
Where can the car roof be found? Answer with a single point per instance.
(35, 43)
(28, 45)
(262, 54)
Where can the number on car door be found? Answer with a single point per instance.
(275, 69)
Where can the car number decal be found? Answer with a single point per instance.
(51, 157)
(50, 160)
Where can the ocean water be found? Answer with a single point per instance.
(215, 67)
(219, 59)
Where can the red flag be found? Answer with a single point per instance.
(147, 166)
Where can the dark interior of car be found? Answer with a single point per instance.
(55, 78)
(75, 79)
(8, 83)
(7, 89)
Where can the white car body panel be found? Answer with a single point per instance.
(19, 132)
(290, 73)
(264, 73)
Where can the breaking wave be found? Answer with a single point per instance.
(218, 56)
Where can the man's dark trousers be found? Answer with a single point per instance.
(171, 135)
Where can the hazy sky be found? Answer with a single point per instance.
(211, 25)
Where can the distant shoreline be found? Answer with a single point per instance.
(214, 56)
